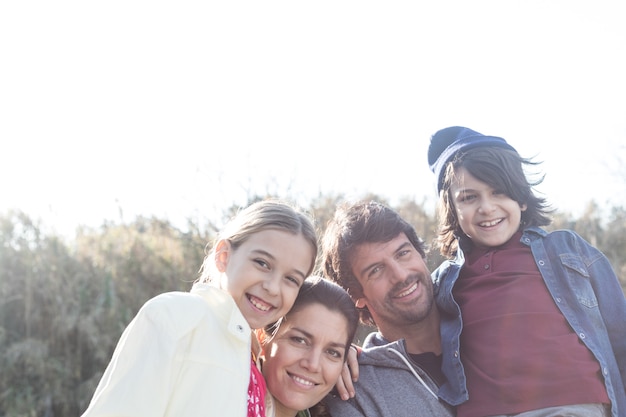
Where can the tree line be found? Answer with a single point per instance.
(65, 302)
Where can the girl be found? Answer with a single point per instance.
(189, 354)
(304, 353)
(533, 323)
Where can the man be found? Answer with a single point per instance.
(378, 258)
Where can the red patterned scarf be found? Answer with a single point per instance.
(256, 392)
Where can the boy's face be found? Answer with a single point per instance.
(397, 288)
(487, 216)
(265, 273)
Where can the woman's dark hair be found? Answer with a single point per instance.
(318, 290)
(355, 224)
(502, 170)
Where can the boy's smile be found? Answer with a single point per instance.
(487, 216)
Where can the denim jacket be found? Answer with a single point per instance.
(583, 286)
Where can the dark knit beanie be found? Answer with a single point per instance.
(449, 141)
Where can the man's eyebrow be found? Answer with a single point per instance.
(368, 267)
(403, 245)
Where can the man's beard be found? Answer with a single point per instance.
(416, 312)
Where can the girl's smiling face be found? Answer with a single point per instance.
(487, 216)
(264, 274)
(304, 359)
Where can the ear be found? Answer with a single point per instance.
(222, 254)
(360, 303)
(523, 207)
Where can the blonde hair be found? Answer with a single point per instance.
(257, 217)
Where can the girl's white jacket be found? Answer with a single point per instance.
(184, 354)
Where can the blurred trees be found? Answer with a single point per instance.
(64, 305)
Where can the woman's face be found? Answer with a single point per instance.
(304, 359)
(265, 273)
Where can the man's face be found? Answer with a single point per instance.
(397, 288)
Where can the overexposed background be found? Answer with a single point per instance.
(179, 109)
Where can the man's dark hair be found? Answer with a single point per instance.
(355, 224)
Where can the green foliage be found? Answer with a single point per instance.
(63, 306)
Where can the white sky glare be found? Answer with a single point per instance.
(178, 109)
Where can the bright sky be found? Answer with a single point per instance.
(182, 108)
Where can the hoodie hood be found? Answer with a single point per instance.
(377, 351)
(387, 377)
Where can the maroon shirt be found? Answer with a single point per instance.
(518, 351)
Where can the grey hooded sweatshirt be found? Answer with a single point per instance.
(389, 385)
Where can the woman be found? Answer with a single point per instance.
(304, 353)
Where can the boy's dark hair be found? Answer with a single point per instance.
(503, 170)
(355, 224)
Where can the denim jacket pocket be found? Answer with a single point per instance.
(576, 269)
